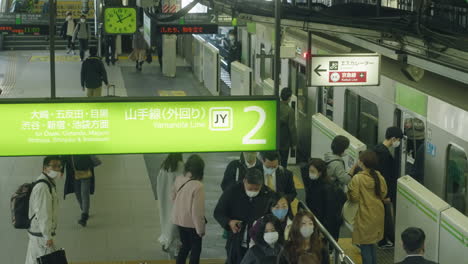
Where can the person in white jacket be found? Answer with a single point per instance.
(43, 210)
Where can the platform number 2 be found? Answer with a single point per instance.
(247, 139)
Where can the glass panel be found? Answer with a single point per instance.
(351, 116)
(300, 88)
(328, 103)
(368, 122)
(456, 183)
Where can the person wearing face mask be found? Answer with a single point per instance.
(67, 30)
(336, 168)
(233, 48)
(238, 208)
(276, 177)
(368, 189)
(236, 169)
(268, 241)
(43, 210)
(304, 239)
(83, 34)
(140, 46)
(387, 167)
(323, 198)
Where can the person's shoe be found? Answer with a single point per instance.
(68, 51)
(137, 65)
(107, 63)
(386, 245)
(82, 222)
(74, 53)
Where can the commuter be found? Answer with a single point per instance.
(236, 169)
(83, 34)
(43, 211)
(308, 259)
(93, 74)
(81, 181)
(413, 243)
(388, 169)
(67, 30)
(159, 49)
(280, 208)
(304, 239)
(188, 212)
(368, 188)
(336, 168)
(288, 134)
(171, 167)
(234, 49)
(268, 240)
(237, 209)
(139, 49)
(276, 177)
(323, 198)
(109, 49)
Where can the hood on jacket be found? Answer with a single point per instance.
(329, 156)
(367, 179)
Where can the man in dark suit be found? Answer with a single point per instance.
(276, 177)
(413, 243)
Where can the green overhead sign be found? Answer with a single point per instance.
(100, 126)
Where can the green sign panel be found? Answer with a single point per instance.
(138, 126)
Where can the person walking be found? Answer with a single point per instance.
(139, 49)
(188, 212)
(171, 167)
(67, 31)
(93, 73)
(80, 180)
(276, 177)
(368, 189)
(109, 49)
(288, 131)
(83, 34)
(236, 169)
(43, 211)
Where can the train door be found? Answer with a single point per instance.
(412, 150)
(456, 181)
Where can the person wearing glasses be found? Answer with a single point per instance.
(43, 210)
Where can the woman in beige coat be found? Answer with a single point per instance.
(368, 189)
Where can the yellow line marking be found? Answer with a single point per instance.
(58, 58)
(171, 93)
(298, 182)
(126, 57)
(351, 250)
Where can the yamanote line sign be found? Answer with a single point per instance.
(119, 126)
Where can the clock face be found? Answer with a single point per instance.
(120, 20)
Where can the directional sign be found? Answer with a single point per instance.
(123, 125)
(346, 70)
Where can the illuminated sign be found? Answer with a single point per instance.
(187, 29)
(25, 29)
(122, 126)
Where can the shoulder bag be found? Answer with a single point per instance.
(81, 174)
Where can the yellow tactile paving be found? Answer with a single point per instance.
(171, 93)
(351, 250)
(58, 58)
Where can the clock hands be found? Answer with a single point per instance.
(126, 17)
(120, 19)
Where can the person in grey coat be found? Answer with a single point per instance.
(83, 34)
(336, 168)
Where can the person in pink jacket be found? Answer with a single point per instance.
(188, 213)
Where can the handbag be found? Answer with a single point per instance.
(349, 211)
(96, 161)
(56, 257)
(81, 174)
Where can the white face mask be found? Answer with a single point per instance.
(268, 171)
(271, 237)
(69, 17)
(313, 176)
(53, 174)
(249, 165)
(82, 20)
(232, 38)
(307, 230)
(251, 194)
(396, 144)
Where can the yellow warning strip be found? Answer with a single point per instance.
(351, 250)
(298, 182)
(58, 58)
(202, 261)
(126, 57)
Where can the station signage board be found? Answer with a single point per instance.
(124, 126)
(187, 29)
(24, 29)
(346, 70)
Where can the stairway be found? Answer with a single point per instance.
(32, 42)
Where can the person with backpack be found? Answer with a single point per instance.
(336, 168)
(93, 73)
(83, 34)
(268, 240)
(43, 210)
(67, 31)
(188, 213)
(236, 169)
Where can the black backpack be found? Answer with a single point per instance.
(19, 204)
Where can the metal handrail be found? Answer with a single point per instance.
(339, 254)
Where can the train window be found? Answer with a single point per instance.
(326, 99)
(361, 118)
(456, 179)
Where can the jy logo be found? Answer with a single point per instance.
(221, 118)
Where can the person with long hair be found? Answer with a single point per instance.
(321, 195)
(171, 167)
(188, 212)
(368, 188)
(268, 241)
(304, 238)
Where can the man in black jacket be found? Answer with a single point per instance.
(93, 74)
(413, 243)
(276, 177)
(387, 168)
(237, 209)
(236, 169)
